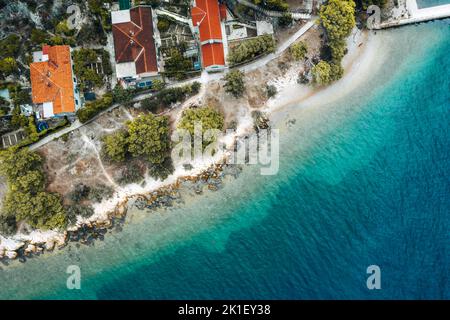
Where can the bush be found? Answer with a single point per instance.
(132, 173)
(163, 24)
(207, 116)
(235, 83)
(9, 46)
(90, 110)
(80, 193)
(271, 91)
(78, 210)
(250, 49)
(8, 225)
(149, 138)
(285, 20)
(100, 192)
(166, 97)
(161, 171)
(298, 50)
(322, 73)
(83, 192)
(176, 65)
(121, 95)
(115, 146)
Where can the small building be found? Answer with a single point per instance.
(134, 45)
(53, 85)
(207, 19)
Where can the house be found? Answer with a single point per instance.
(207, 19)
(135, 45)
(53, 85)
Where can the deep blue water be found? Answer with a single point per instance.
(364, 181)
(317, 238)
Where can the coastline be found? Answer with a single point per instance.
(358, 64)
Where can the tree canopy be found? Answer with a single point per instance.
(235, 83)
(26, 199)
(207, 116)
(338, 18)
(250, 49)
(149, 137)
(322, 73)
(298, 50)
(115, 145)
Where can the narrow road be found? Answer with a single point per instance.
(204, 78)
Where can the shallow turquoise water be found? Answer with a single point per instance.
(431, 3)
(363, 180)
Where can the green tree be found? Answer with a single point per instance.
(26, 199)
(177, 64)
(285, 20)
(8, 66)
(163, 24)
(9, 46)
(149, 137)
(298, 50)
(206, 116)
(235, 83)
(87, 76)
(322, 73)
(15, 162)
(31, 182)
(250, 49)
(121, 95)
(338, 50)
(158, 84)
(39, 37)
(63, 29)
(115, 146)
(338, 18)
(271, 90)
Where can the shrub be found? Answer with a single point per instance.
(149, 137)
(298, 50)
(271, 91)
(132, 173)
(322, 73)
(115, 146)
(92, 109)
(250, 49)
(235, 83)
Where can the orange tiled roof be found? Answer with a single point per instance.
(51, 81)
(206, 15)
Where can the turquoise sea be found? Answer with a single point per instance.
(364, 180)
(430, 3)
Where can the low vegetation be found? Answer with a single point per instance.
(250, 49)
(298, 51)
(91, 109)
(165, 98)
(235, 83)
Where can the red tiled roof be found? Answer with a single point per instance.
(206, 16)
(133, 41)
(223, 11)
(51, 81)
(212, 54)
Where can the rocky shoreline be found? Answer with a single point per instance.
(89, 232)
